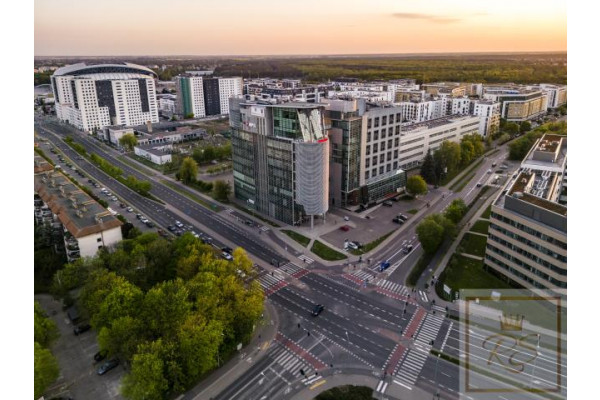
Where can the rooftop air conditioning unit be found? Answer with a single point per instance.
(517, 195)
(79, 213)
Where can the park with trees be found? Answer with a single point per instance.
(171, 311)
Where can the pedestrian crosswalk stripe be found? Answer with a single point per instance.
(306, 259)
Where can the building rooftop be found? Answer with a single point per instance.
(433, 123)
(77, 211)
(85, 69)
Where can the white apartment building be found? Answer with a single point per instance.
(94, 96)
(202, 96)
(417, 139)
(489, 116)
(557, 94)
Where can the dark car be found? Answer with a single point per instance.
(107, 366)
(172, 228)
(402, 217)
(407, 249)
(81, 328)
(345, 228)
(398, 220)
(384, 265)
(101, 355)
(122, 205)
(228, 250)
(149, 224)
(388, 203)
(317, 309)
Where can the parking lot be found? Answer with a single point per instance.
(115, 204)
(75, 354)
(369, 225)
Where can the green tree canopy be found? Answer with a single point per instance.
(188, 170)
(44, 329)
(147, 379)
(416, 185)
(222, 190)
(525, 126)
(431, 235)
(45, 369)
(128, 141)
(456, 210)
(428, 169)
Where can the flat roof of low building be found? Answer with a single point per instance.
(77, 211)
(433, 123)
(40, 164)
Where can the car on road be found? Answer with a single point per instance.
(149, 224)
(206, 239)
(352, 245)
(144, 220)
(90, 181)
(317, 309)
(403, 217)
(345, 228)
(129, 209)
(479, 184)
(384, 265)
(138, 216)
(489, 171)
(407, 249)
(227, 256)
(172, 228)
(346, 218)
(122, 205)
(101, 355)
(107, 366)
(79, 329)
(494, 164)
(388, 203)
(178, 224)
(114, 198)
(228, 250)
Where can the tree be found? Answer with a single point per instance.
(447, 157)
(122, 337)
(416, 185)
(188, 170)
(430, 234)
(467, 152)
(45, 369)
(456, 210)
(512, 128)
(165, 308)
(208, 154)
(221, 190)
(128, 140)
(123, 299)
(428, 169)
(44, 329)
(146, 380)
(525, 126)
(199, 341)
(504, 138)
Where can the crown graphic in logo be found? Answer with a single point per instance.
(510, 322)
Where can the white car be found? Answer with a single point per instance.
(129, 209)
(346, 218)
(227, 256)
(352, 246)
(114, 198)
(178, 224)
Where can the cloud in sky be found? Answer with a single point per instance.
(438, 19)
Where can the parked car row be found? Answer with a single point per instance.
(400, 219)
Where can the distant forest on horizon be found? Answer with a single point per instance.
(480, 68)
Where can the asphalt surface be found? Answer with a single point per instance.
(372, 325)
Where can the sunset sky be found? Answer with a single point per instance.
(252, 27)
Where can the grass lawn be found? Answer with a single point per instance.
(472, 244)
(480, 226)
(466, 273)
(371, 245)
(303, 240)
(417, 271)
(413, 211)
(488, 211)
(454, 174)
(326, 253)
(460, 185)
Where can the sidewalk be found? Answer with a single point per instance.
(221, 378)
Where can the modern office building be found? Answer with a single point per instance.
(417, 139)
(527, 236)
(86, 225)
(557, 94)
(280, 158)
(489, 116)
(365, 144)
(201, 96)
(91, 97)
(518, 103)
